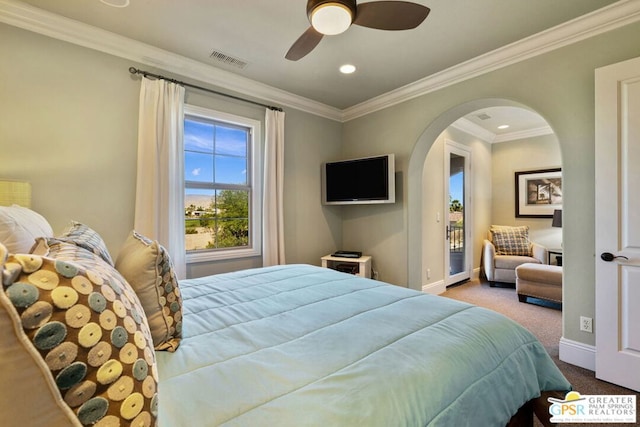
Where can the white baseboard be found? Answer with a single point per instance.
(578, 354)
(435, 288)
(439, 287)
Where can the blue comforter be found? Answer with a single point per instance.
(300, 345)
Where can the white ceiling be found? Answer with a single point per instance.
(486, 123)
(259, 32)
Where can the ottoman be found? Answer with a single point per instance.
(539, 281)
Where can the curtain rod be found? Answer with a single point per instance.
(134, 70)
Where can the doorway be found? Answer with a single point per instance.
(490, 188)
(458, 249)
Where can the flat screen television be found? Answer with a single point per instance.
(366, 180)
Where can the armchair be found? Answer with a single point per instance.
(505, 249)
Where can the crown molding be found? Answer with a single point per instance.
(22, 15)
(529, 133)
(614, 16)
(467, 126)
(39, 21)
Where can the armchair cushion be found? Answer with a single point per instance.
(510, 262)
(511, 240)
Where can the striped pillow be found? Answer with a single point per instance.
(85, 237)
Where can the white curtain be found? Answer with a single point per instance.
(159, 211)
(273, 216)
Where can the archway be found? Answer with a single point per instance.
(414, 179)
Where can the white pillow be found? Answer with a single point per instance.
(19, 228)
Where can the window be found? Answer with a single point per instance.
(221, 185)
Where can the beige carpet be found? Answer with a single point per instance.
(544, 320)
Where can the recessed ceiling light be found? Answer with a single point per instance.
(116, 3)
(347, 69)
(503, 127)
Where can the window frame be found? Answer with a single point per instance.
(254, 160)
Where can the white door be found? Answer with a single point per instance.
(617, 153)
(457, 247)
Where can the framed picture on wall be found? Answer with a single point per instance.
(538, 193)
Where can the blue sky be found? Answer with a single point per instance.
(228, 162)
(456, 186)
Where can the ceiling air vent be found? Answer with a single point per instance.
(483, 116)
(225, 59)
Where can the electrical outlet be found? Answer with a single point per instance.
(586, 324)
(428, 273)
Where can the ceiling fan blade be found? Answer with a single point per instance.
(305, 44)
(391, 15)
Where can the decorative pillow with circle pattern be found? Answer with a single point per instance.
(146, 265)
(84, 236)
(90, 331)
(53, 247)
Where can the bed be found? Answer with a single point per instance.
(302, 345)
(93, 341)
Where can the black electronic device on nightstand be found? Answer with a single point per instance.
(347, 254)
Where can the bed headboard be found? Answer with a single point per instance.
(15, 192)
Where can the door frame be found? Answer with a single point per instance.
(452, 147)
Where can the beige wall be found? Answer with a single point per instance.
(69, 125)
(537, 153)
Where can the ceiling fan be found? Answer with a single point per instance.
(331, 17)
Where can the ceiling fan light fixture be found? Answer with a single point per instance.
(331, 18)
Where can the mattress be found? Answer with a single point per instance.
(300, 345)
